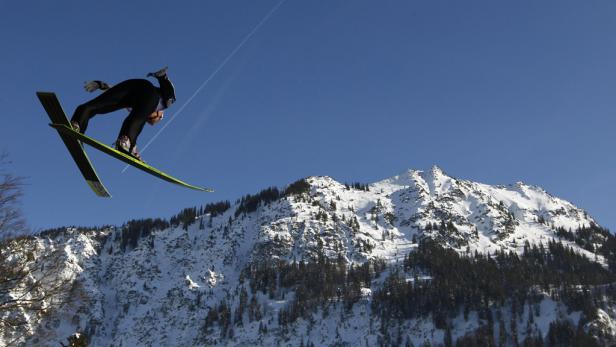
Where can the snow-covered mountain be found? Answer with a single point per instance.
(159, 283)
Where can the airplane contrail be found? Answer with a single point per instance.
(224, 62)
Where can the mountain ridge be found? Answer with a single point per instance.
(158, 282)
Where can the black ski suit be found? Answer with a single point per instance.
(140, 95)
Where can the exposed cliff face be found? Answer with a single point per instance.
(161, 291)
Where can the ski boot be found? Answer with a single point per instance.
(123, 145)
(76, 126)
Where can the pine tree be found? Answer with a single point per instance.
(78, 340)
(448, 339)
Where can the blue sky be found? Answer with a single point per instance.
(491, 91)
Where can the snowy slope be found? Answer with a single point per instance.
(393, 211)
(160, 292)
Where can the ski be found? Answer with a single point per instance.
(67, 130)
(56, 114)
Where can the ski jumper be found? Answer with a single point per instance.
(140, 96)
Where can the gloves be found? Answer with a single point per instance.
(91, 86)
(160, 73)
(155, 117)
